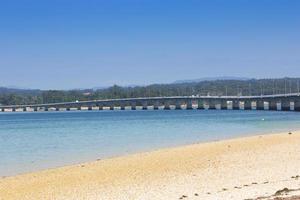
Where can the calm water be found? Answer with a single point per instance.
(34, 141)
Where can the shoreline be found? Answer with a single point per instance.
(176, 146)
(233, 168)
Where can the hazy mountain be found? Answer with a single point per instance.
(223, 78)
(14, 90)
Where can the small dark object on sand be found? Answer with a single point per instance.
(196, 194)
(254, 183)
(224, 189)
(281, 192)
(290, 133)
(82, 166)
(183, 196)
(296, 177)
(208, 193)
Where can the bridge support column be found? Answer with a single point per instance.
(133, 105)
(297, 105)
(189, 104)
(166, 105)
(178, 104)
(145, 105)
(247, 105)
(272, 105)
(156, 104)
(235, 104)
(211, 104)
(285, 105)
(200, 104)
(224, 104)
(122, 105)
(260, 104)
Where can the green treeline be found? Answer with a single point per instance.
(203, 88)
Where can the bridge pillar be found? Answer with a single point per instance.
(189, 104)
(285, 104)
(200, 104)
(144, 105)
(297, 105)
(235, 104)
(133, 105)
(211, 104)
(259, 104)
(178, 104)
(166, 105)
(272, 104)
(156, 104)
(122, 105)
(247, 105)
(224, 104)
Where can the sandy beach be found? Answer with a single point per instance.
(257, 167)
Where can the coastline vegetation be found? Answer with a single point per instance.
(10, 96)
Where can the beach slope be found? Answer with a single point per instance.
(257, 167)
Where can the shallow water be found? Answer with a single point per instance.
(35, 141)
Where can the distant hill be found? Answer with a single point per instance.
(205, 86)
(9, 90)
(212, 79)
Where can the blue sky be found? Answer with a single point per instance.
(62, 44)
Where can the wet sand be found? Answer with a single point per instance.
(257, 167)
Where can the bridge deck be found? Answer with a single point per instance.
(264, 102)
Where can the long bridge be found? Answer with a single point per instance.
(280, 102)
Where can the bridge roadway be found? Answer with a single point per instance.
(284, 102)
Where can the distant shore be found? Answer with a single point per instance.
(257, 167)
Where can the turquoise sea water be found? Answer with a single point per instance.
(35, 141)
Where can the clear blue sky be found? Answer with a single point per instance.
(63, 44)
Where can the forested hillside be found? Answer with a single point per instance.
(216, 87)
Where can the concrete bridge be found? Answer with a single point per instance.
(284, 102)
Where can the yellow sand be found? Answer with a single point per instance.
(231, 169)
